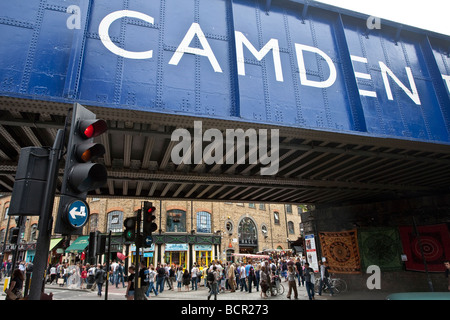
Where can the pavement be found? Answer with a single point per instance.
(66, 293)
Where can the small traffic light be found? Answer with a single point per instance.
(81, 174)
(129, 234)
(14, 235)
(149, 225)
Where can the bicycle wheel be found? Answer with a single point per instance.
(339, 285)
(316, 286)
(280, 288)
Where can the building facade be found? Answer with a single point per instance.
(188, 231)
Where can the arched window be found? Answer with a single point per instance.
(115, 221)
(247, 232)
(291, 227)
(176, 221)
(203, 222)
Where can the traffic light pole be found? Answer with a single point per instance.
(137, 279)
(46, 220)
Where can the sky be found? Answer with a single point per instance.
(433, 15)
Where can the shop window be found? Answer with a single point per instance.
(203, 222)
(176, 221)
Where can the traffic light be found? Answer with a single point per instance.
(129, 234)
(14, 235)
(149, 225)
(81, 174)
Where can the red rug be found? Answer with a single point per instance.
(435, 243)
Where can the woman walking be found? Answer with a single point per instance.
(291, 282)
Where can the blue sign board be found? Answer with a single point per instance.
(266, 62)
(77, 213)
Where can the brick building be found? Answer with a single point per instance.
(187, 231)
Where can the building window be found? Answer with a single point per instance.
(276, 217)
(229, 226)
(203, 222)
(93, 222)
(251, 205)
(33, 233)
(115, 221)
(288, 208)
(176, 221)
(264, 231)
(291, 227)
(262, 206)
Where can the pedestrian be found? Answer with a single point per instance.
(91, 277)
(324, 275)
(52, 273)
(309, 281)
(447, 272)
(257, 276)
(194, 272)
(299, 267)
(264, 281)
(179, 278)
(232, 277)
(167, 277)
(251, 277)
(151, 281)
(100, 276)
(291, 275)
(243, 277)
(83, 277)
(186, 279)
(160, 275)
(120, 277)
(213, 278)
(129, 294)
(15, 286)
(141, 288)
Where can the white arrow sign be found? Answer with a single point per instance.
(74, 212)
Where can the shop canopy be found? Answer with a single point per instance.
(78, 245)
(54, 242)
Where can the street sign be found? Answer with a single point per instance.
(148, 241)
(77, 213)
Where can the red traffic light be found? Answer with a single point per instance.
(92, 128)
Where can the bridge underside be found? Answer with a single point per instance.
(314, 166)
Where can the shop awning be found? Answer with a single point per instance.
(78, 245)
(54, 242)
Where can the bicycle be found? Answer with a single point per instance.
(277, 287)
(338, 285)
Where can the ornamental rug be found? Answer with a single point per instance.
(341, 251)
(380, 247)
(435, 241)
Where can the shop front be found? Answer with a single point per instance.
(203, 254)
(176, 253)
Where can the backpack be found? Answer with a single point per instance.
(210, 277)
(251, 272)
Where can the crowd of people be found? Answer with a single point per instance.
(219, 277)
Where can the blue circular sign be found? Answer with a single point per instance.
(148, 241)
(77, 213)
